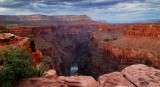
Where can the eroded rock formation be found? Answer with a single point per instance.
(8, 40)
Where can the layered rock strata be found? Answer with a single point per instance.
(44, 19)
(139, 44)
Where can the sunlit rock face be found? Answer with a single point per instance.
(138, 43)
(137, 75)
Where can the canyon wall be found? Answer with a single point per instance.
(136, 43)
(62, 45)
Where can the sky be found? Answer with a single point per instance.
(112, 11)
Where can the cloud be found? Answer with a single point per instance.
(110, 10)
(4, 9)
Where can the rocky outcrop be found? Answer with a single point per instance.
(8, 40)
(132, 76)
(39, 82)
(141, 75)
(74, 81)
(115, 79)
(78, 81)
(50, 74)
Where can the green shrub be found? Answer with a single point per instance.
(41, 69)
(16, 65)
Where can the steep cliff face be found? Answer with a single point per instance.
(62, 45)
(138, 44)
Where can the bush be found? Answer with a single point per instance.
(41, 69)
(16, 65)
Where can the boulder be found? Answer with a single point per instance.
(114, 79)
(142, 75)
(50, 74)
(137, 75)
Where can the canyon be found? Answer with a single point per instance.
(62, 45)
(95, 48)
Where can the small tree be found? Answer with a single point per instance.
(32, 45)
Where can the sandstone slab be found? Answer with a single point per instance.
(38, 82)
(142, 76)
(50, 74)
(114, 79)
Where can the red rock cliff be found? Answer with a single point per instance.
(139, 44)
(10, 40)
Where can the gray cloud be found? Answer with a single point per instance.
(98, 9)
(76, 3)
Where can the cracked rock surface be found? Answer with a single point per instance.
(138, 75)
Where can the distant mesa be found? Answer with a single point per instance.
(157, 21)
(44, 19)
